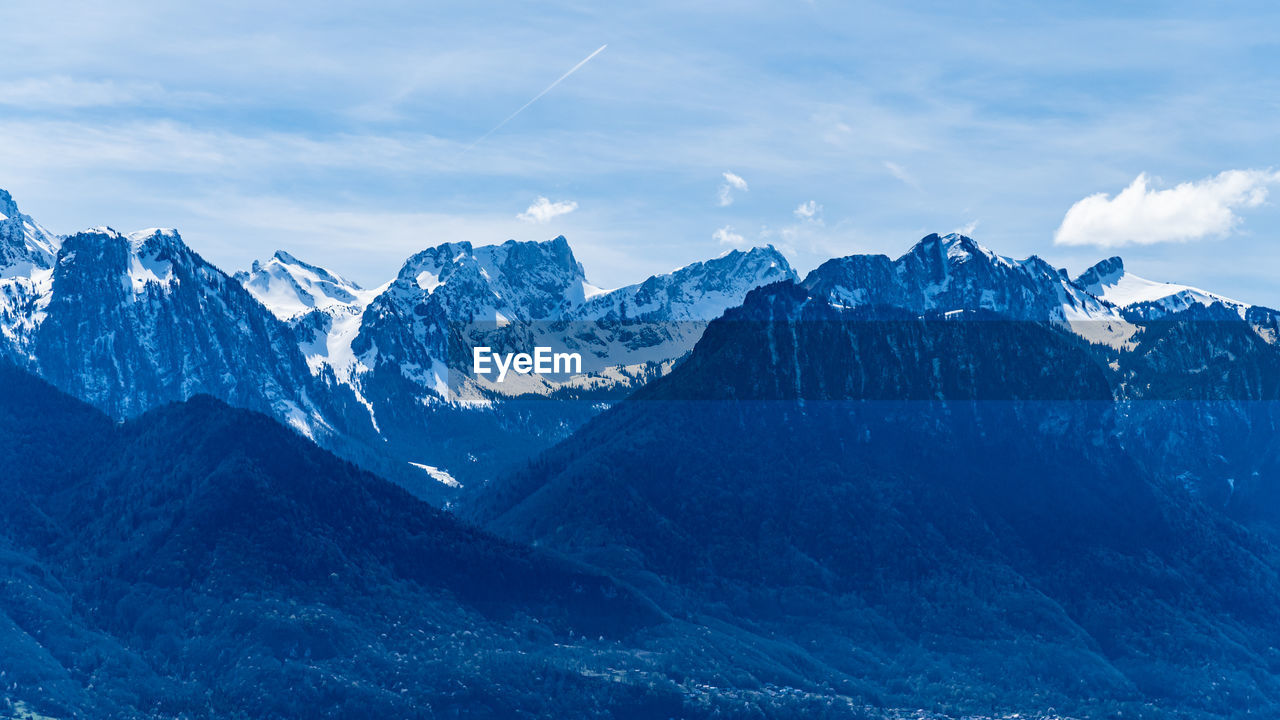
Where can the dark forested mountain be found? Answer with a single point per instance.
(1200, 403)
(942, 505)
(1194, 374)
(202, 561)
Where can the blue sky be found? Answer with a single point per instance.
(341, 132)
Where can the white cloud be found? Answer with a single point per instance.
(726, 236)
(1144, 216)
(732, 181)
(808, 211)
(968, 228)
(543, 210)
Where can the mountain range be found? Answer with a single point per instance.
(951, 482)
(382, 376)
(128, 322)
(943, 507)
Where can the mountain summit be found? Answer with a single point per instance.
(954, 272)
(24, 245)
(1109, 280)
(290, 287)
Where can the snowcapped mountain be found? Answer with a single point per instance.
(411, 359)
(447, 298)
(289, 287)
(1141, 299)
(27, 253)
(663, 317)
(850, 456)
(511, 282)
(383, 375)
(700, 291)
(953, 272)
(402, 352)
(25, 247)
(1109, 280)
(323, 308)
(135, 321)
(516, 295)
(1193, 373)
(131, 321)
(128, 322)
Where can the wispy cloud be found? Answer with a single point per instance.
(808, 211)
(378, 104)
(726, 236)
(968, 228)
(1142, 215)
(899, 172)
(543, 210)
(732, 182)
(61, 91)
(167, 146)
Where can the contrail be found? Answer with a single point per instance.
(525, 106)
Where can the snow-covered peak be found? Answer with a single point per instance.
(152, 238)
(524, 281)
(961, 248)
(700, 291)
(147, 259)
(526, 294)
(1110, 281)
(25, 246)
(954, 272)
(289, 287)
(955, 249)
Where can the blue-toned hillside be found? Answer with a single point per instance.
(940, 505)
(203, 561)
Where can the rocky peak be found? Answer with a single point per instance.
(1102, 273)
(24, 245)
(290, 287)
(8, 208)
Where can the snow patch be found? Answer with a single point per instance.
(438, 474)
(428, 280)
